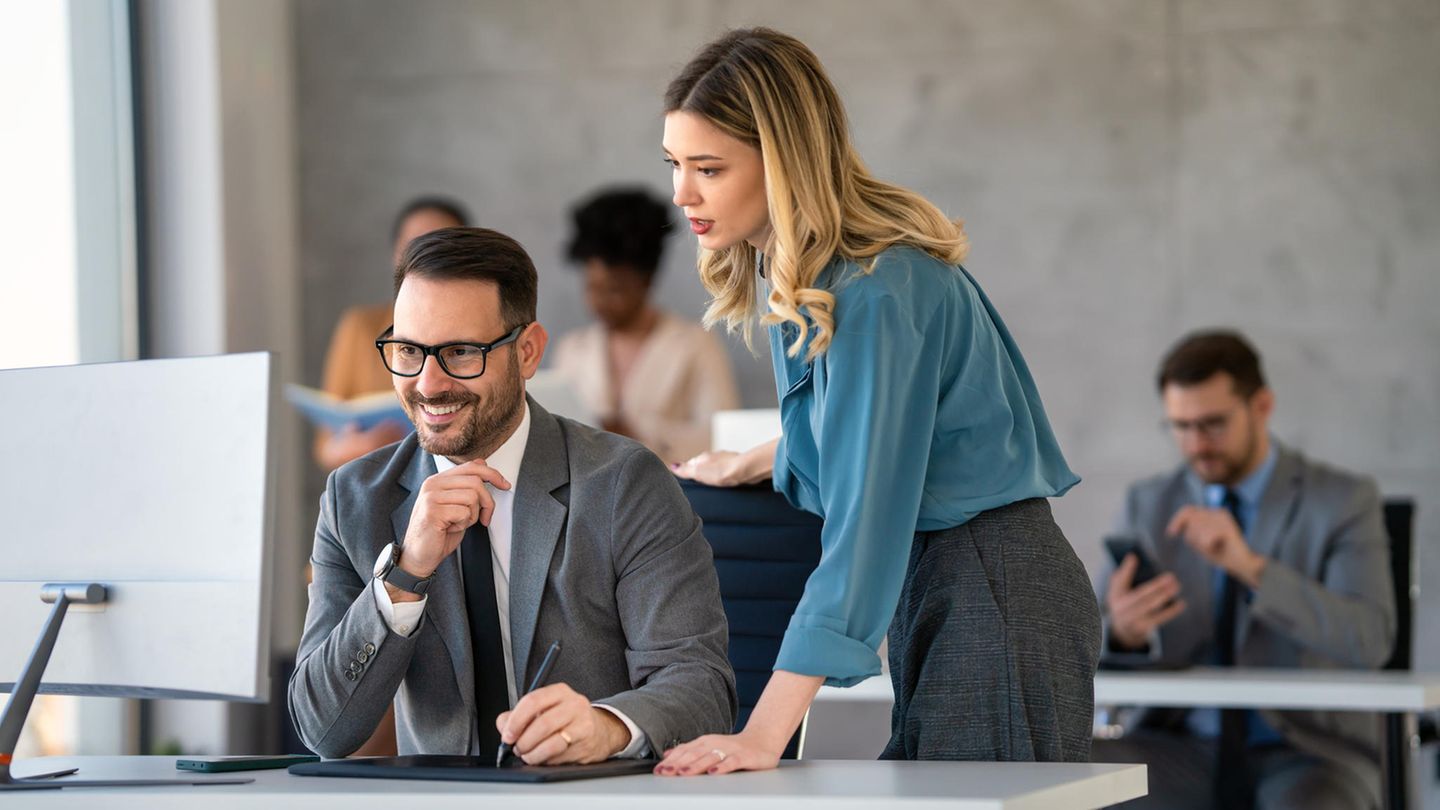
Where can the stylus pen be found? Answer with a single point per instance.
(551, 656)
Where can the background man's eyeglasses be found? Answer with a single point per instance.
(1207, 427)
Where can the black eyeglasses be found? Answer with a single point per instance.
(460, 359)
(1210, 428)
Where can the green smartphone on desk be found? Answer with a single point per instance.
(254, 763)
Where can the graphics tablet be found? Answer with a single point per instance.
(467, 769)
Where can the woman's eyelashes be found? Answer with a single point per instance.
(703, 171)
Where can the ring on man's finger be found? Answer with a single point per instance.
(566, 738)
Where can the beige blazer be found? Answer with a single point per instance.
(680, 379)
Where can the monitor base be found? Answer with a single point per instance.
(50, 782)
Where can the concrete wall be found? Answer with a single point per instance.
(1128, 169)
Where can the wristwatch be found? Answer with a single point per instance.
(387, 569)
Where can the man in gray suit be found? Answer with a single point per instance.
(1270, 560)
(446, 564)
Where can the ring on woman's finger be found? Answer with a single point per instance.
(717, 752)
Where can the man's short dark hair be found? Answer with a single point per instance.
(475, 254)
(621, 227)
(430, 202)
(1201, 355)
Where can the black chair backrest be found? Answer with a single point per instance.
(764, 552)
(1399, 524)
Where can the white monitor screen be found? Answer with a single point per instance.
(153, 479)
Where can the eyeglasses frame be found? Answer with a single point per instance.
(434, 351)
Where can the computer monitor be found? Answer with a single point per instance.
(154, 480)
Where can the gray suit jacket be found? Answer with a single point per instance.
(607, 557)
(1324, 602)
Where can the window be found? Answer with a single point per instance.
(68, 286)
(67, 206)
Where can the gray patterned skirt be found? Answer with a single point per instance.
(994, 643)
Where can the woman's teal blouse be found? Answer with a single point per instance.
(919, 416)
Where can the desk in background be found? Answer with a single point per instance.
(1397, 695)
(795, 785)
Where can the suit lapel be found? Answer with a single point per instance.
(539, 518)
(1277, 509)
(1277, 504)
(445, 605)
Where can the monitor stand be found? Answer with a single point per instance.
(62, 595)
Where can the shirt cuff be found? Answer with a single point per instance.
(816, 645)
(402, 619)
(639, 746)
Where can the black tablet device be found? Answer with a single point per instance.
(467, 769)
(243, 763)
(1139, 662)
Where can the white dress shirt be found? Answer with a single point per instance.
(404, 618)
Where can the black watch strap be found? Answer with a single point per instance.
(406, 581)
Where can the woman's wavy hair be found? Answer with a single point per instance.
(769, 90)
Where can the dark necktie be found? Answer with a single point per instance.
(492, 697)
(1233, 785)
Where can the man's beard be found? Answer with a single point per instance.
(480, 432)
(1231, 469)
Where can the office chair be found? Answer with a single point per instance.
(764, 552)
(1399, 525)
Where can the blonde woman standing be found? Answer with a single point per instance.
(911, 425)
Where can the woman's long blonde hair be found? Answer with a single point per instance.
(768, 90)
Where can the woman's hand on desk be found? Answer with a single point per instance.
(778, 713)
(719, 753)
(726, 468)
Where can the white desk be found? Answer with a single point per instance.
(833, 785)
(1237, 688)
(1387, 692)
(1397, 695)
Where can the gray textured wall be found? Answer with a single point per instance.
(1128, 169)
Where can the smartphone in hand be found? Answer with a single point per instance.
(1120, 546)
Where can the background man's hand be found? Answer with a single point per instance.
(555, 725)
(1135, 612)
(1214, 535)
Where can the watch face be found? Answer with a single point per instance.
(383, 561)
